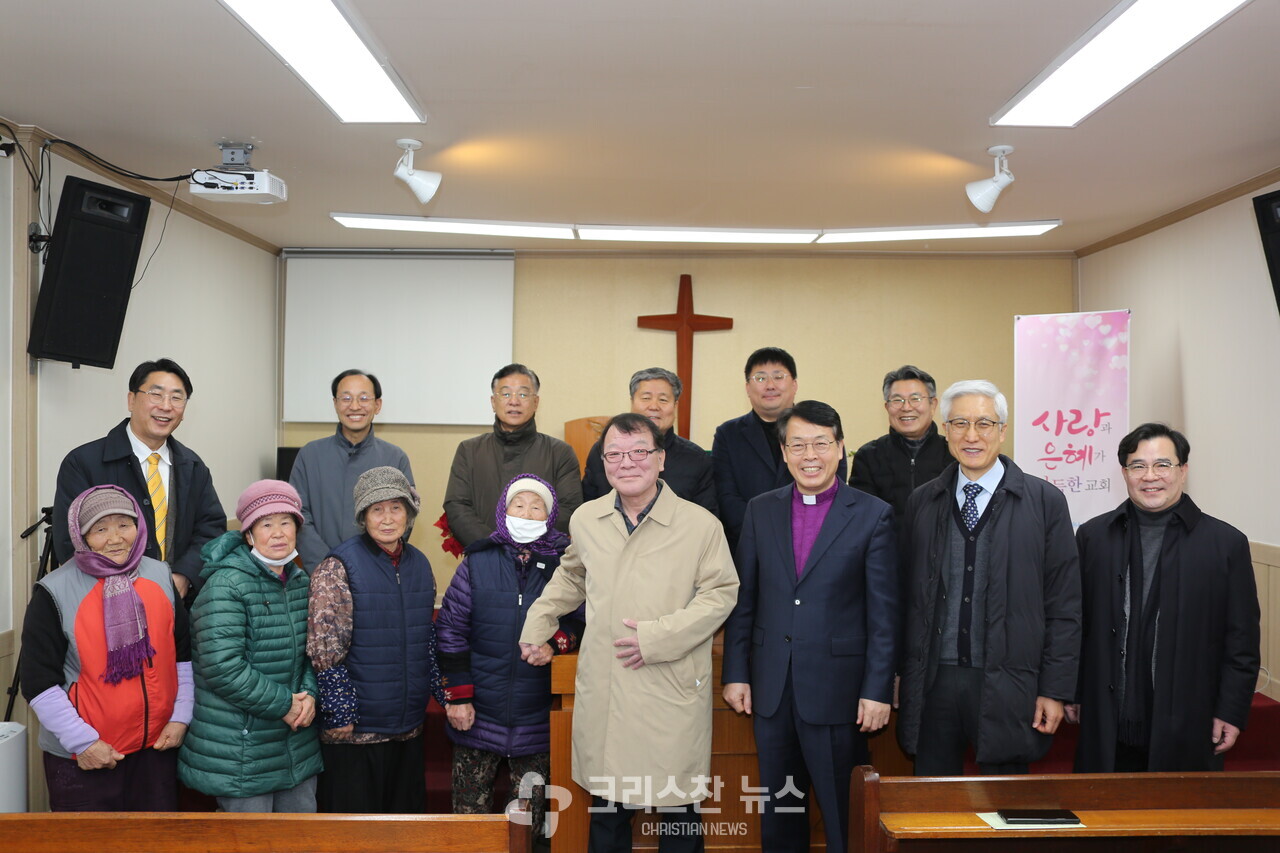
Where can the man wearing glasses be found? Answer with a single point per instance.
(746, 451)
(913, 452)
(326, 470)
(811, 645)
(170, 482)
(658, 581)
(992, 583)
(1171, 639)
(655, 391)
(486, 463)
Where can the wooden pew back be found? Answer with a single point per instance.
(197, 832)
(872, 796)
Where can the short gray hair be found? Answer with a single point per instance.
(906, 373)
(649, 373)
(982, 388)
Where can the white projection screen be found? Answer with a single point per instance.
(432, 329)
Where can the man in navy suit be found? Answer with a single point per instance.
(810, 647)
(746, 453)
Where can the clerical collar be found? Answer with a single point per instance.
(824, 497)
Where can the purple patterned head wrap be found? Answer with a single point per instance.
(552, 542)
(128, 643)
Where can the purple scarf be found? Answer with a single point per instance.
(128, 643)
(551, 543)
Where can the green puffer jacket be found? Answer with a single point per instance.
(249, 656)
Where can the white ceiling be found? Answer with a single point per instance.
(710, 113)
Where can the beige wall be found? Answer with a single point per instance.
(1204, 340)
(1204, 343)
(1266, 568)
(847, 320)
(209, 301)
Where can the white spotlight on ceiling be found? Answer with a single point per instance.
(984, 193)
(423, 183)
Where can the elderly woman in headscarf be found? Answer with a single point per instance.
(106, 664)
(251, 744)
(372, 642)
(498, 705)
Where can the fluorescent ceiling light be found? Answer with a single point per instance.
(317, 41)
(386, 222)
(645, 234)
(547, 230)
(939, 232)
(1133, 39)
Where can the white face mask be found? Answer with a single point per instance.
(525, 530)
(275, 564)
(263, 558)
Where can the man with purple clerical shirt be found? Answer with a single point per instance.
(810, 646)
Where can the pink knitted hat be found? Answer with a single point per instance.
(267, 497)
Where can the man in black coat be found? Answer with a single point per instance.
(686, 468)
(992, 598)
(1171, 636)
(746, 452)
(158, 395)
(913, 452)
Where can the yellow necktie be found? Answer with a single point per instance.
(155, 486)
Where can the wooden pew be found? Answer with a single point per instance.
(1130, 812)
(202, 832)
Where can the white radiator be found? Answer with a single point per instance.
(13, 767)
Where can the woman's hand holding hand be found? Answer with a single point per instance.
(461, 717)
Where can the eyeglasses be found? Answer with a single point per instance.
(777, 376)
(613, 457)
(1161, 468)
(898, 402)
(158, 398)
(507, 395)
(820, 446)
(983, 426)
(363, 399)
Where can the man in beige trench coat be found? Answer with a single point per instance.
(658, 581)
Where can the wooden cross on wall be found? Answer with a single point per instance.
(684, 323)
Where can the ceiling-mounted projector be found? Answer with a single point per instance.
(235, 180)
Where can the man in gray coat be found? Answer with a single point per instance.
(326, 470)
(992, 596)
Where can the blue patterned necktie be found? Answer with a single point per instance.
(969, 512)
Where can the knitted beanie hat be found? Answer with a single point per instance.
(267, 497)
(101, 503)
(529, 484)
(384, 484)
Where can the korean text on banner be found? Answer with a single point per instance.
(1071, 404)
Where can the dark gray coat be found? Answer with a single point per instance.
(1032, 608)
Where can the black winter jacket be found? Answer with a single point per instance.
(885, 468)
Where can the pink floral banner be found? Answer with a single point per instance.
(1071, 404)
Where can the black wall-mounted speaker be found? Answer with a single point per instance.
(88, 274)
(1267, 207)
